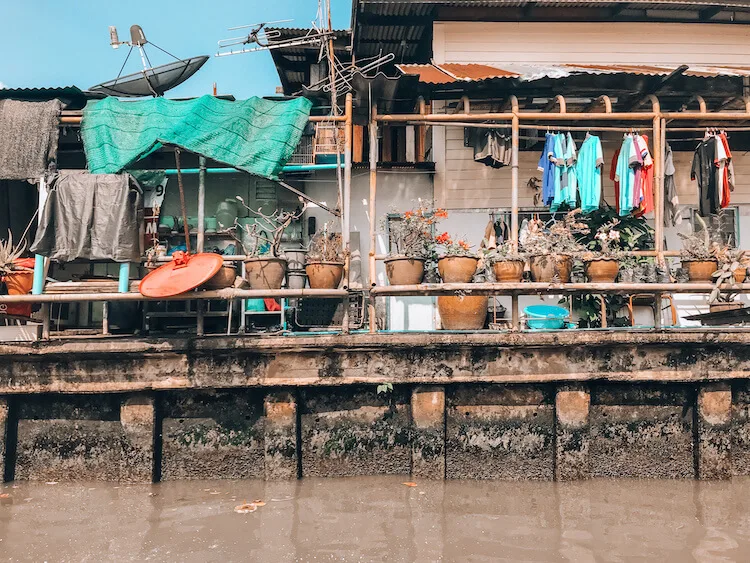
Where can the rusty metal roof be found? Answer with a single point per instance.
(454, 72)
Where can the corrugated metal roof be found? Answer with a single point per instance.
(455, 72)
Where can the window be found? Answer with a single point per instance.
(726, 224)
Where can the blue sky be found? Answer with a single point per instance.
(56, 43)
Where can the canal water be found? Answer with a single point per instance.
(376, 519)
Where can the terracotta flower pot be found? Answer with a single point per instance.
(740, 274)
(403, 270)
(324, 275)
(602, 270)
(18, 283)
(549, 268)
(462, 312)
(700, 271)
(727, 306)
(265, 272)
(457, 269)
(508, 271)
(224, 278)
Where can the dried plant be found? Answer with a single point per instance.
(263, 237)
(325, 246)
(554, 238)
(412, 234)
(730, 260)
(9, 254)
(505, 252)
(701, 245)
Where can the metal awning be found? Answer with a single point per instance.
(448, 73)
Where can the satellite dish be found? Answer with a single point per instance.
(152, 80)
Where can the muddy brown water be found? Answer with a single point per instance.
(377, 519)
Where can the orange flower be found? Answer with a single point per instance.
(443, 239)
(408, 215)
(440, 214)
(464, 245)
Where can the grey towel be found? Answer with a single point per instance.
(91, 216)
(28, 138)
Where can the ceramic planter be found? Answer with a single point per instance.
(549, 268)
(19, 282)
(728, 306)
(224, 278)
(700, 271)
(462, 312)
(457, 269)
(324, 275)
(602, 270)
(508, 271)
(265, 272)
(740, 274)
(403, 270)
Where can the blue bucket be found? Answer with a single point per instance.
(545, 317)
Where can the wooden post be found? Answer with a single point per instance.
(387, 155)
(358, 143)
(515, 147)
(373, 192)
(346, 207)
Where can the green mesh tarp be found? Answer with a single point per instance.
(255, 135)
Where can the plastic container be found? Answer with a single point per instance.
(255, 305)
(546, 317)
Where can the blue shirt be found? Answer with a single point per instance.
(589, 173)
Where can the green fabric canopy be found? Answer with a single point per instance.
(255, 135)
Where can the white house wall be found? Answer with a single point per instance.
(583, 42)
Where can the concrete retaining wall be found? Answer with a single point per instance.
(464, 431)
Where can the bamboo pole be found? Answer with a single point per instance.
(346, 207)
(515, 147)
(201, 237)
(76, 119)
(225, 294)
(373, 192)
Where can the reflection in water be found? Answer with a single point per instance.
(377, 519)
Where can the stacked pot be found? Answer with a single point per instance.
(296, 278)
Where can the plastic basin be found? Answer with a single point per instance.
(546, 317)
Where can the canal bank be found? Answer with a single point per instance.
(550, 406)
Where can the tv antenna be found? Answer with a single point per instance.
(262, 38)
(152, 80)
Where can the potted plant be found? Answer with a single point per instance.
(600, 260)
(456, 263)
(730, 272)
(699, 254)
(412, 243)
(325, 260)
(265, 266)
(18, 278)
(506, 262)
(552, 246)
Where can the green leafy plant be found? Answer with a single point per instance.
(504, 252)
(729, 261)
(385, 388)
(554, 238)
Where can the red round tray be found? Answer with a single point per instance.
(184, 273)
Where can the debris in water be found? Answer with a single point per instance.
(4, 495)
(409, 484)
(55, 483)
(259, 503)
(246, 508)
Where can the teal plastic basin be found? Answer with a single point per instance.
(545, 317)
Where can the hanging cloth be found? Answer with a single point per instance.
(613, 177)
(672, 216)
(29, 133)
(568, 193)
(589, 173)
(91, 217)
(550, 169)
(625, 174)
(703, 171)
(645, 175)
(491, 147)
(724, 170)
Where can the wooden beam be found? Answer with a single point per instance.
(620, 8)
(358, 142)
(707, 14)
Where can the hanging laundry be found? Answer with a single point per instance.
(724, 170)
(672, 216)
(29, 133)
(703, 171)
(625, 175)
(589, 173)
(613, 177)
(91, 216)
(568, 193)
(644, 176)
(491, 147)
(550, 165)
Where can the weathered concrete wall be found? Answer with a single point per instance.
(500, 432)
(216, 433)
(462, 406)
(347, 431)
